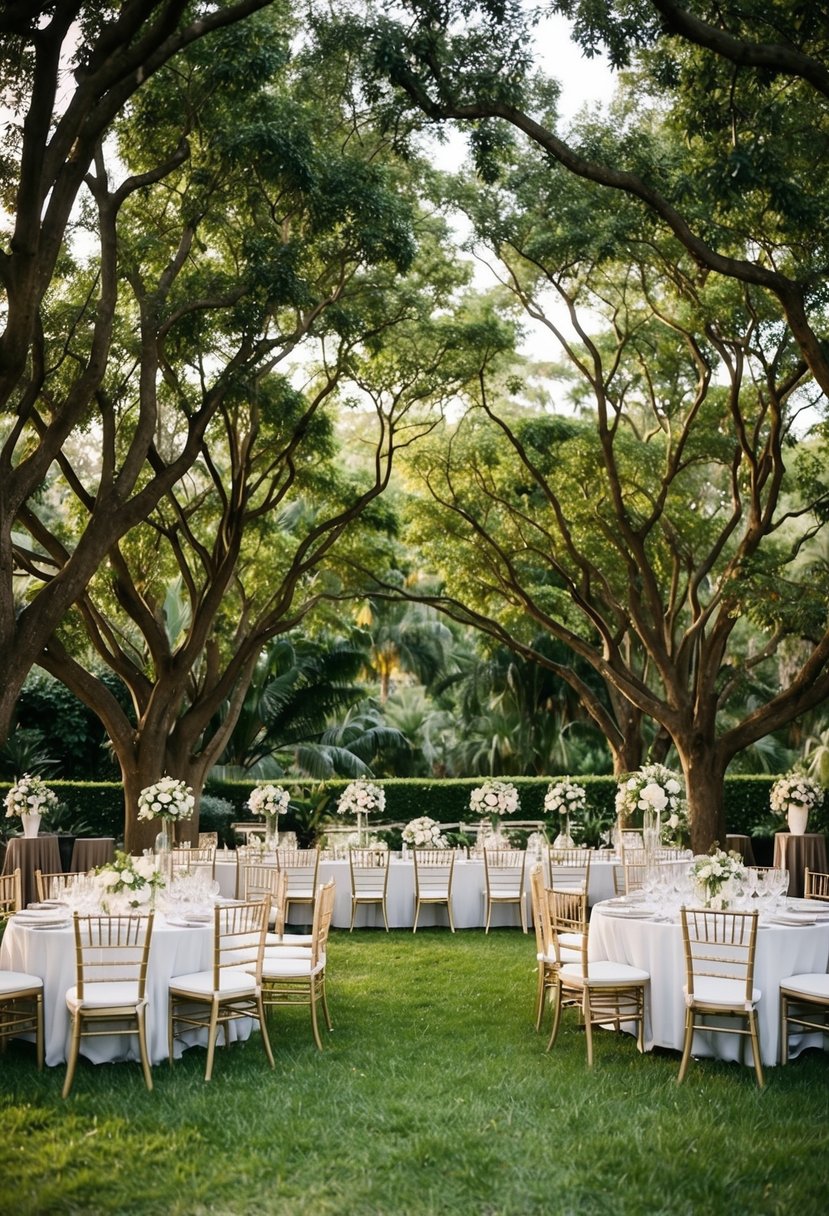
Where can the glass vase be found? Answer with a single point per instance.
(564, 840)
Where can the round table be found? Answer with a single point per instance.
(656, 947)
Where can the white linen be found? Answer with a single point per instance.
(468, 895)
(656, 947)
(50, 954)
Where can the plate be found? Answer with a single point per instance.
(793, 918)
(631, 912)
(185, 922)
(813, 906)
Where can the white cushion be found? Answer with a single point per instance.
(603, 975)
(815, 986)
(718, 990)
(290, 968)
(232, 982)
(11, 981)
(121, 993)
(289, 939)
(567, 956)
(571, 939)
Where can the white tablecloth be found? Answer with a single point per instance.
(50, 953)
(468, 894)
(656, 947)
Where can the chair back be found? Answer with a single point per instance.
(112, 950)
(261, 880)
(11, 894)
(208, 840)
(663, 855)
(504, 870)
(323, 915)
(635, 873)
(434, 870)
(570, 869)
(301, 867)
(541, 912)
(815, 885)
(719, 946)
(52, 886)
(369, 872)
(568, 915)
(192, 861)
(239, 937)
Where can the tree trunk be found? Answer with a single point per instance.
(704, 773)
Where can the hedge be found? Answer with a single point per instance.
(97, 808)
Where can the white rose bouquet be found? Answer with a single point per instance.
(495, 798)
(30, 795)
(652, 787)
(795, 789)
(128, 882)
(269, 800)
(361, 798)
(424, 833)
(565, 798)
(712, 872)
(168, 799)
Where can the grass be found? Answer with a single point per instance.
(433, 1096)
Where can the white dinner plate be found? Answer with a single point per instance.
(629, 912)
(793, 918)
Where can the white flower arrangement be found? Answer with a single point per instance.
(169, 799)
(30, 795)
(128, 882)
(712, 872)
(269, 800)
(652, 787)
(424, 833)
(361, 798)
(565, 798)
(495, 798)
(795, 789)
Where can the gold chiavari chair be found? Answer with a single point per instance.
(569, 949)
(194, 861)
(253, 854)
(719, 977)
(804, 1003)
(369, 869)
(607, 993)
(208, 840)
(11, 894)
(434, 871)
(301, 867)
(570, 869)
(816, 885)
(232, 987)
(294, 977)
(21, 1009)
(504, 872)
(109, 996)
(52, 886)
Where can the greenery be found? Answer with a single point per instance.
(433, 1095)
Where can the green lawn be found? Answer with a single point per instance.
(433, 1095)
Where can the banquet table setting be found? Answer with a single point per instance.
(39, 940)
(643, 930)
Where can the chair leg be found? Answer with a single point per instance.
(686, 1046)
(142, 1048)
(588, 1026)
(263, 1030)
(784, 1029)
(353, 914)
(314, 1025)
(539, 998)
(385, 917)
(522, 908)
(755, 1048)
(212, 1035)
(171, 1007)
(488, 915)
(72, 1062)
(39, 1047)
(416, 915)
(324, 998)
(451, 917)
(556, 1016)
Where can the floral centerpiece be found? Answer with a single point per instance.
(794, 796)
(30, 797)
(269, 801)
(127, 883)
(424, 833)
(713, 874)
(564, 798)
(361, 798)
(168, 800)
(494, 799)
(657, 792)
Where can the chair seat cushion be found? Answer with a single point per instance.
(120, 994)
(812, 987)
(571, 939)
(713, 990)
(567, 956)
(12, 981)
(290, 967)
(603, 975)
(288, 939)
(275, 953)
(232, 982)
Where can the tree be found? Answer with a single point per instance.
(69, 69)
